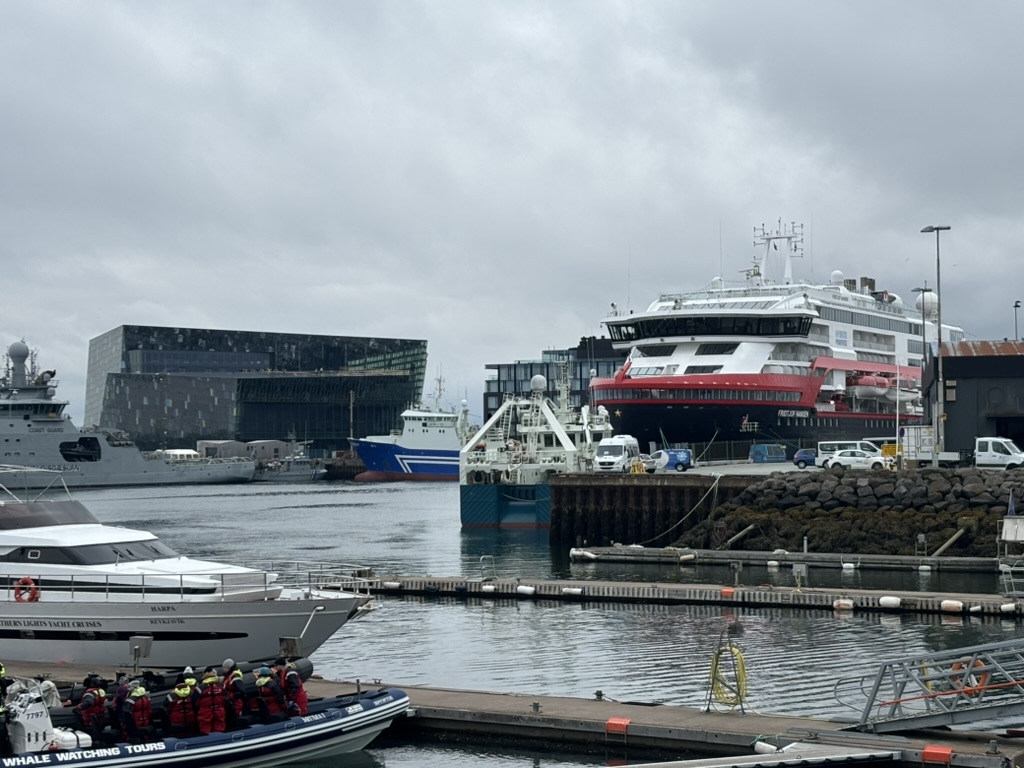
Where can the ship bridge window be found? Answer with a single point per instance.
(662, 327)
(702, 369)
(656, 350)
(716, 349)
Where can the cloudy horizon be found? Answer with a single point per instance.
(489, 176)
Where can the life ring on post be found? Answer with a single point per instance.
(972, 684)
(26, 591)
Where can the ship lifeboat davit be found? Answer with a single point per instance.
(872, 387)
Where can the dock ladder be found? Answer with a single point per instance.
(947, 688)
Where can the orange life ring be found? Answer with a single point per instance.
(971, 683)
(26, 591)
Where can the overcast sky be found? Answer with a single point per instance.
(489, 176)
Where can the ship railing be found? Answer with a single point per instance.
(265, 582)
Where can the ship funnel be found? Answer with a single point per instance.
(18, 352)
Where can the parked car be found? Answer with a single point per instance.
(805, 457)
(679, 459)
(650, 465)
(853, 459)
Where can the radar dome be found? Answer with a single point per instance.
(18, 352)
(927, 303)
(836, 278)
(538, 383)
(895, 300)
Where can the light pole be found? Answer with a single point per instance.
(1016, 306)
(924, 333)
(940, 429)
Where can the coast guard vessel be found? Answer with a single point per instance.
(773, 357)
(35, 432)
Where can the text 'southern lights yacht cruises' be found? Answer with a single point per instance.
(771, 359)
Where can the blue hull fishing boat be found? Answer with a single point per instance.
(427, 448)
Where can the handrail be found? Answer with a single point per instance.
(266, 581)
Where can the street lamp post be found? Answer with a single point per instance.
(940, 429)
(1016, 306)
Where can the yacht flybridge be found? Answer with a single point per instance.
(76, 591)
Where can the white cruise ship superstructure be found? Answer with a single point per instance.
(774, 358)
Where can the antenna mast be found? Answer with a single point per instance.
(793, 247)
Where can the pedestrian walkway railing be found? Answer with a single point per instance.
(941, 689)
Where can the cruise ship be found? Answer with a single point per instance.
(771, 359)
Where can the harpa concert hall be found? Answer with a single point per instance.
(169, 387)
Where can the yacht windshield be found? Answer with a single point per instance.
(91, 554)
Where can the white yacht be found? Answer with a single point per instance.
(80, 592)
(36, 432)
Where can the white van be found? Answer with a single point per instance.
(826, 448)
(617, 454)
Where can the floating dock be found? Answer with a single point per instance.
(784, 559)
(762, 596)
(717, 738)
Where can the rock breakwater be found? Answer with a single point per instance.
(909, 512)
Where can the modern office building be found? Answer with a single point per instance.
(591, 355)
(169, 387)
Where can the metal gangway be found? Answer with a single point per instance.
(946, 688)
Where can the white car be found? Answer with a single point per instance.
(649, 464)
(853, 459)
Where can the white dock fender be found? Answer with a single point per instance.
(889, 601)
(392, 585)
(488, 588)
(574, 591)
(951, 606)
(842, 604)
(1008, 608)
(524, 589)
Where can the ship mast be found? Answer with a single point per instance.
(793, 246)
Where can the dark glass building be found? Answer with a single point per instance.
(592, 354)
(169, 387)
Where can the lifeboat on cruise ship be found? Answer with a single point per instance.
(902, 394)
(870, 387)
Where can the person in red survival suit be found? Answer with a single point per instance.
(210, 705)
(136, 715)
(181, 710)
(291, 683)
(90, 712)
(269, 701)
(237, 700)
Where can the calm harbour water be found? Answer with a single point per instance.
(630, 653)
